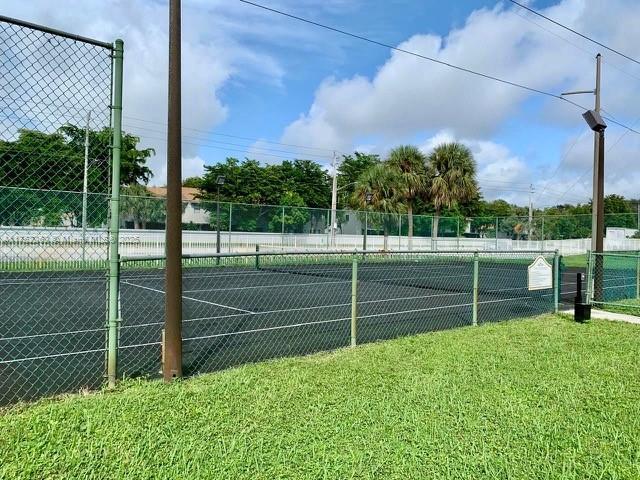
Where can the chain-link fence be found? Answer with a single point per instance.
(241, 308)
(243, 226)
(56, 145)
(614, 281)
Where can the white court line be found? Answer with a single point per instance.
(192, 299)
(234, 315)
(140, 345)
(55, 355)
(415, 298)
(444, 307)
(266, 286)
(47, 281)
(53, 334)
(256, 330)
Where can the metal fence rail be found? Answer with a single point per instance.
(57, 101)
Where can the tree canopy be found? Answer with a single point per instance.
(44, 173)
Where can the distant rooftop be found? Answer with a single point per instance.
(189, 194)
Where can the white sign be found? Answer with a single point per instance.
(540, 274)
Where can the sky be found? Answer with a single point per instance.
(263, 86)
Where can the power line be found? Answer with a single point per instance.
(245, 151)
(217, 142)
(562, 160)
(425, 57)
(575, 45)
(573, 31)
(209, 132)
(590, 169)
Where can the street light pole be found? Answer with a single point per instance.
(599, 244)
(597, 194)
(596, 124)
(598, 174)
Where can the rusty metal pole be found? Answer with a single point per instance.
(173, 297)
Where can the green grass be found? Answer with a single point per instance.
(532, 399)
(577, 261)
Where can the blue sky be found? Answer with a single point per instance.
(390, 22)
(253, 74)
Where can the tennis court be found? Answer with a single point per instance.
(52, 332)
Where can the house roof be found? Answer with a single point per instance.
(188, 193)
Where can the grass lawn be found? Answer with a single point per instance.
(578, 261)
(538, 398)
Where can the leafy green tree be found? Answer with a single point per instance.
(192, 182)
(312, 183)
(133, 161)
(349, 170)
(619, 212)
(257, 186)
(289, 216)
(408, 163)
(452, 172)
(513, 227)
(51, 165)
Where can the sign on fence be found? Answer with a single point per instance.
(540, 274)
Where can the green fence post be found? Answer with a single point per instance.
(282, 247)
(638, 274)
(589, 277)
(354, 300)
(230, 213)
(556, 281)
(114, 223)
(257, 257)
(476, 271)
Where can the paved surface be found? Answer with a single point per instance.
(52, 334)
(604, 315)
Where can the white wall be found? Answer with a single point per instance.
(41, 243)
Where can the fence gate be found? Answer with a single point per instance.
(56, 104)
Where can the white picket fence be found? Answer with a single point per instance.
(67, 244)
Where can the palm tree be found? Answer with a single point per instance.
(452, 172)
(381, 182)
(410, 164)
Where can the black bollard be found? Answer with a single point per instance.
(582, 310)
